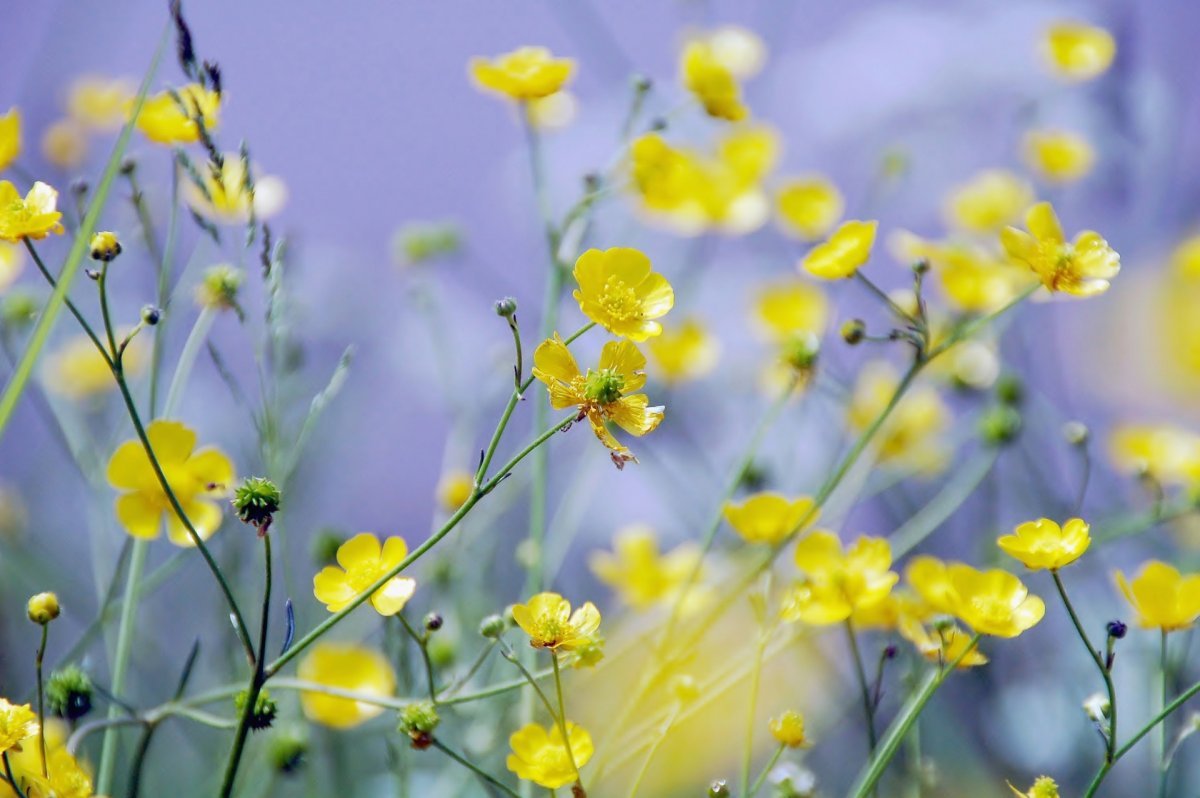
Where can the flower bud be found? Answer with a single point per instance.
(256, 501)
(150, 315)
(1000, 425)
(1010, 390)
(128, 166)
(493, 626)
(1096, 707)
(1075, 433)
(854, 331)
(265, 709)
(506, 307)
(69, 692)
(443, 650)
(802, 352)
(43, 608)
(286, 749)
(1116, 629)
(418, 721)
(719, 789)
(641, 83)
(433, 622)
(219, 287)
(920, 266)
(788, 729)
(105, 246)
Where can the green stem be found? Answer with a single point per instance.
(41, 698)
(860, 673)
(12, 780)
(883, 297)
(562, 718)
(751, 714)
(958, 488)
(423, 644)
(1110, 745)
(1164, 671)
(766, 771)
(83, 322)
(487, 777)
(187, 358)
(655, 744)
(108, 748)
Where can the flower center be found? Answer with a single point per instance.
(604, 386)
(619, 300)
(18, 211)
(551, 631)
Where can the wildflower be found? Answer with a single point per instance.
(972, 278)
(1082, 268)
(197, 477)
(16, 724)
(419, 720)
(539, 754)
(33, 217)
(492, 626)
(78, 371)
(988, 201)
(846, 250)
(944, 643)
(1058, 156)
(362, 562)
(1044, 545)
(1097, 707)
(809, 206)
(711, 82)
(527, 73)
(256, 501)
(1162, 597)
(11, 264)
(993, 602)
(454, 489)
(105, 246)
(549, 622)
(770, 517)
(785, 309)
(930, 578)
(837, 582)
(603, 394)
(638, 572)
(64, 144)
(10, 138)
(170, 117)
(230, 195)
(1043, 787)
(100, 103)
(69, 692)
(620, 291)
(788, 729)
(1165, 453)
(344, 667)
(739, 50)
(685, 351)
(219, 286)
(43, 608)
(66, 777)
(911, 435)
(1076, 51)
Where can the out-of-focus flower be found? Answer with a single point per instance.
(740, 50)
(65, 777)
(345, 667)
(1082, 268)
(11, 262)
(1077, 51)
(549, 622)
(553, 112)
(230, 198)
(363, 561)
(784, 309)
(770, 517)
(1043, 787)
(219, 286)
(638, 572)
(788, 729)
(1185, 258)
(539, 754)
(969, 364)
(620, 291)
(35, 216)
(712, 82)
(420, 242)
(684, 351)
(993, 602)
(846, 250)
(838, 582)
(1044, 545)
(526, 73)
(1162, 597)
(602, 395)
(1058, 156)
(10, 137)
(942, 643)
(1163, 452)
(454, 488)
(911, 435)
(65, 144)
(809, 206)
(197, 478)
(164, 119)
(100, 103)
(988, 201)
(973, 278)
(78, 371)
(930, 578)
(16, 723)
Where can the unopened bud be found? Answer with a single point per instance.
(433, 622)
(854, 331)
(493, 626)
(506, 307)
(105, 246)
(150, 315)
(43, 608)
(1075, 433)
(719, 789)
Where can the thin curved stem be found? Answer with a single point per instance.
(752, 714)
(108, 748)
(562, 718)
(41, 698)
(766, 771)
(864, 687)
(1110, 746)
(471, 766)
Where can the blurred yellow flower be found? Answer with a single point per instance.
(770, 518)
(738, 49)
(786, 308)
(846, 250)
(1058, 156)
(711, 82)
(911, 435)
(1082, 268)
(836, 583)
(164, 119)
(65, 144)
(788, 729)
(972, 278)
(344, 666)
(1185, 258)
(1077, 51)
(100, 103)
(620, 291)
(549, 622)
(11, 262)
(1043, 787)
(930, 578)
(993, 602)
(35, 217)
(229, 199)
(685, 351)
(638, 572)
(539, 754)
(218, 287)
(942, 643)
(988, 201)
(602, 395)
(454, 488)
(197, 478)
(1163, 452)
(527, 73)
(1162, 597)
(16, 723)
(78, 371)
(1044, 545)
(809, 206)
(65, 777)
(10, 137)
(363, 561)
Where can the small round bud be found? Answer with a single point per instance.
(890, 652)
(592, 182)
(454, 489)
(287, 747)
(219, 287)
(150, 315)
(506, 307)
(641, 83)
(79, 187)
(418, 721)
(128, 166)
(1116, 629)
(256, 501)
(493, 626)
(719, 789)
(1000, 425)
(1010, 389)
(105, 246)
(921, 266)
(658, 124)
(1097, 707)
(854, 331)
(1075, 433)
(43, 608)
(802, 352)
(754, 478)
(788, 729)
(69, 692)
(18, 309)
(263, 714)
(433, 622)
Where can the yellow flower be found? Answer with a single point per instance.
(43, 608)
(104, 246)
(846, 250)
(363, 561)
(78, 371)
(454, 488)
(603, 394)
(683, 352)
(785, 309)
(809, 206)
(100, 103)
(164, 121)
(930, 578)
(973, 278)
(741, 51)
(65, 778)
(788, 729)
(549, 622)
(33, 217)
(229, 200)
(638, 572)
(988, 201)
(11, 262)
(712, 82)
(1162, 452)
(16, 723)
(942, 644)
(993, 602)
(1083, 268)
(1043, 787)
(539, 754)
(348, 667)
(219, 286)
(911, 435)
(1044, 545)
(1162, 597)
(1185, 259)
(1059, 156)
(770, 517)
(836, 583)
(620, 291)
(65, 144)
(196, 477)
(527, 73)
(1077, 51)
(10, 138)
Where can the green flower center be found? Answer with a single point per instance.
(620, 301)
(604, 386)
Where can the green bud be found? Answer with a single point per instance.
(1075, 433)
(287, 747)
(69, 692)
(506, 307)
(493, 626)
(418, 721)
(802, 352)
(1000, 425)
(264, 711)
(256, 501)
(1010, 389)
(854, 331)
(150, 315)
(719, 789)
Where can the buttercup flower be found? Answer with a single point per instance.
(942, 643)
(846, 250)
(363, 561)
(638, 572)
(10, 138)
(620, 291)
(100, 103)
(524, 74)
(1162, 597)
(930, 578)
(1162, 452)
(785, 309)
(603, 394)
(1044, 545)
(77, 370)
(1058, 156)
(345, 667)
(1083, 268)
(219, 286)
(43, 608)
(770, 517)
(1043, 787)
(1077, 51)
(993, 602)
(788, 729)
(549, 622)
(539, 754)
(230, 198)
(454, 488)
(712, 82)
(165, 120)
(36, 216)
(685, 351)
(11, 264)
(65, 778)
(197, 477)
(972, 278)
(809, 206)
(988, 201)
(16, 724)
(65, 144)
(911, 435)
(837, 582)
